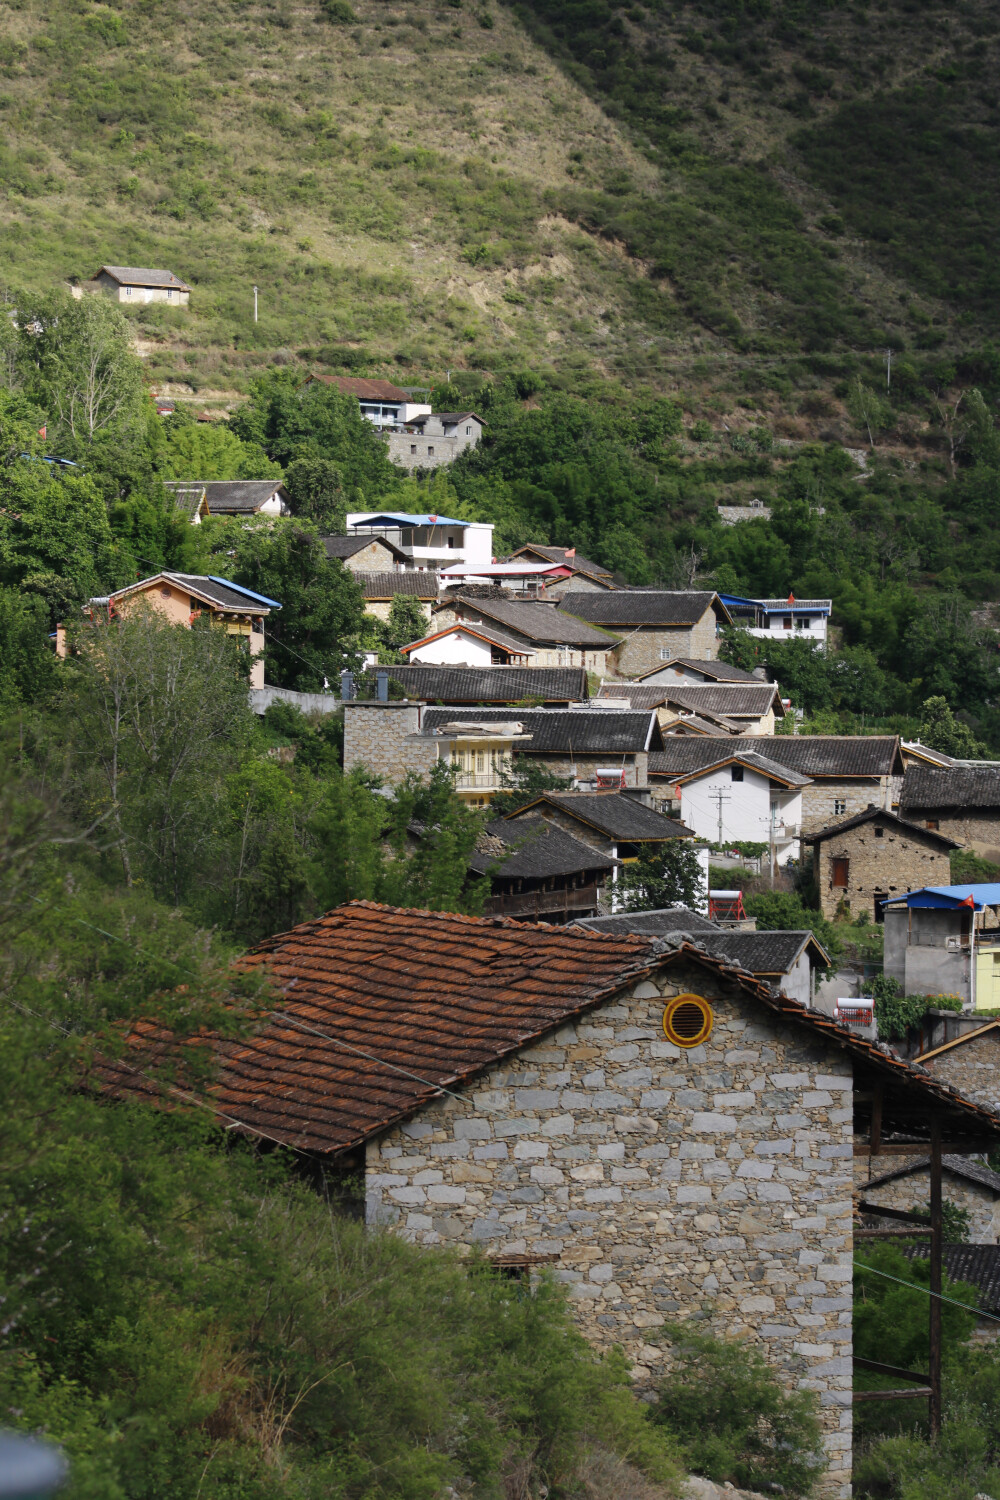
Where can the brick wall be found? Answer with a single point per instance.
(914, 1191)
(713, 1181)
(973, 1068)
(890, 863)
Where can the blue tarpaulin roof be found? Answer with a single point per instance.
(400, 518)
(946, 896)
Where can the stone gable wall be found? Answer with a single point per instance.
(820, 800)
(973, 1068)
(383, 739)
(914, 1190)
(375, 558)
(894, 862)
(979, 831)
(380, 607)
(714, 1181)
(640, 649)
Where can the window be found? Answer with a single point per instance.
(839, 807)
(666, 654)
(801, 623)
(736, 772)
(786, 622)
(933, 824)
(841, 868)
(451, 539)
(128, 291)
(413, 447)
(880, 833)
(480, 760)
(169, 294)
(687, 1021)
(430, 454)
(468, 432)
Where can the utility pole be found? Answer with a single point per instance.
(719, 797)
(888, 370)
(774, 809)
(255, 304)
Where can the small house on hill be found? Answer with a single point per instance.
(585, 745)
(538, 872)
(379, 589)
(434, 438)
(961, 800)
(472, 644)
(582, 575)
(365, 553)
(860, 862)
(557, 640)
(740, 797)
(199, 498)
(384, 404)
(656, 625)
(134, 284)
(685, 670)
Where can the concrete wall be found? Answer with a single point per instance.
(641, 649)
(746, 810)
(916, 956)
(914, 1191)
(262, 697)
(714, 1181)
(880, 858)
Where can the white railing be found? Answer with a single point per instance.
(483, 780)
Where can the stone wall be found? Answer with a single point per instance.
(383, 738)
(880, 858)
(380, 608)
(973, 1067)
(828, 800)
(979, 831)
(714, 1181)
(375, 558)
(914, 1191)
(640, 650)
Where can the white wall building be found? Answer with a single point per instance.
(428, 541)
(744, 798)
(782, 619)
(468, 645)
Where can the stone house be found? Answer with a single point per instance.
(183, 598)
(557, 640)
(684, 670)
(584, 577)
(749, 708)
(392, 738)
(970, 1063)
(961, 800)
(434, 438)
(586, 745)
(966, 1183)
(386, 405)
(379, 589)
(199, 498)
(538, 872)
(663, 1132)
(654, 625)
(858, 863)
(365, 553)
(847, 773)
(133, 284)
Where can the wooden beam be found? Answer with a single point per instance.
(937, 1237)
(891, 1234)
(872, 1364)
(922, 1148)
(921, 1392)
(891, 1213)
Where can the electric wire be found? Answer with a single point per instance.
(860, 1266)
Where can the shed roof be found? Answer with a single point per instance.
(388, 585)
(734, 700)
(962, 785)
(890, 820)
(574, 731)
(235, 497)
(140, 276)
(615, 814)
(958, 1041)
(653, 923)
(683, 722)
(536, 622)
(959, 1166)
(838, 757)
(535, 849)
(642, 606)
(461, 685)
(380, 1010)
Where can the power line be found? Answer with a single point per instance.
(914, 1287)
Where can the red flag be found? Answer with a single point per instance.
(791, 598)
(41, 432)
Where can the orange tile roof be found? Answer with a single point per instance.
(382, 1009)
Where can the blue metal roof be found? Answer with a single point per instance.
(402, 519)
(946, 897)
(258, 598)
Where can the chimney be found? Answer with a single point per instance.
(382, 687)
(346, 686)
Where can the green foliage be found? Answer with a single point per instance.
(897, 1014)
(339, 12)
(26, 663)
(785, 911)
(971, 869)
(736, 1422)
(208, 450)
(940, 730)
(522, 784)
(315, 492)
(662, 875)
(890, 1321)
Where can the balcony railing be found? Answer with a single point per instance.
(483, 781)
(543, 905)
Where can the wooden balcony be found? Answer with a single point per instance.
(544, 906)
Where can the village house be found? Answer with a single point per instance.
(427, 541)
(847, 773)
(366, 554)
(782, 619)
(684, 670)
(790, 962)
(557, 640)
(967, 1184)
(469, 644)
(663, 1131)
(183, 598)
(522, 580)
(857, 864)
(387, 406)
(748, 708)
(133, 284)
(916, 754)
(969, 1062)
(654, 625)
(582, 575)
(434, 438)
(672, 719)
(379, 589)
(200, 498)
(553, 687)
(679, 721)
(740, 797)
(961, 800)
(586, 745)
(538, 872)
(945, 940)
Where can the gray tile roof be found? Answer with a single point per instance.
(559, 555)
(348, 546)
(768, 955)
(815, 755)
(569, 731)
(386, 585)
(209, 588)
(139, 276)
(492, 684)
(734, 700)
(641, 696)
(230, 497)
(963, 785)
(536, 622)
(537, 848)
(639, 606)
(721, 671)
(880, 815)
(654, 923)
(613, 813)
(976, 1265)
(959, 1166)
(486, 632)
(717, 727)
(725, 754)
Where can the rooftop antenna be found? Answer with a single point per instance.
(255, 304)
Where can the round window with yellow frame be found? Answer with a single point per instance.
(688, 1021)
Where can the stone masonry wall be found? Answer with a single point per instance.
(640, 650)
(829, 801)
(714, 1181)
(973, 1068)
(914, 1191)
(375, 558)
(382, 737)
(981, 832)
(890, 863)
(380, 608)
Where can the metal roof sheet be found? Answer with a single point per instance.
(948, 897)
